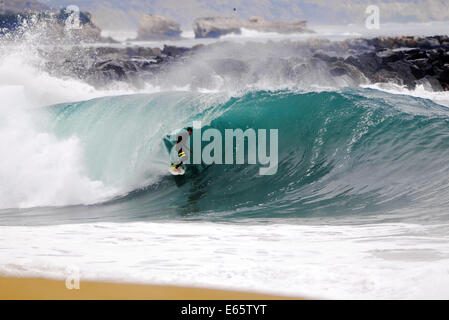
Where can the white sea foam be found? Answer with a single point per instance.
(36, 168)
(420, 91)
(254, 35)
(383, 261)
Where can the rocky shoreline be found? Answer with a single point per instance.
(405, 61)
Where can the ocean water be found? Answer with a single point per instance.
(358, 207)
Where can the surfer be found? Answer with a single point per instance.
(181, 147)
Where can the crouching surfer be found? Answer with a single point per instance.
(182, 150)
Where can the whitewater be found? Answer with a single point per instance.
(357, 209)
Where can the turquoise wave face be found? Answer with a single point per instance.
(351, 153)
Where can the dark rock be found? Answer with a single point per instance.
(368, 63)
(338, 71)
(148, 53)
(417, 72)
(403, 71)
(445, 57)
(433, 55)
(173, 51)
(325, 57)
(443, 77)
(419, 54)
(114, 70)
(410, 51)
(390, 56)
(422, 63)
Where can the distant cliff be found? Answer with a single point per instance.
(120, 15)
(154, 27)
(11, 7)
(213, 27)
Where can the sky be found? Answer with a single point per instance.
(125, 14)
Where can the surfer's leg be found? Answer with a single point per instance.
(180, 155)
(183, 156)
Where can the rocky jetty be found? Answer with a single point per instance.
(100, 66)
(154, 27)
(405, 61)
(214, 27)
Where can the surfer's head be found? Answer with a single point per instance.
(189, 130)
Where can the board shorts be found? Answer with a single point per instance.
(183, 156)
